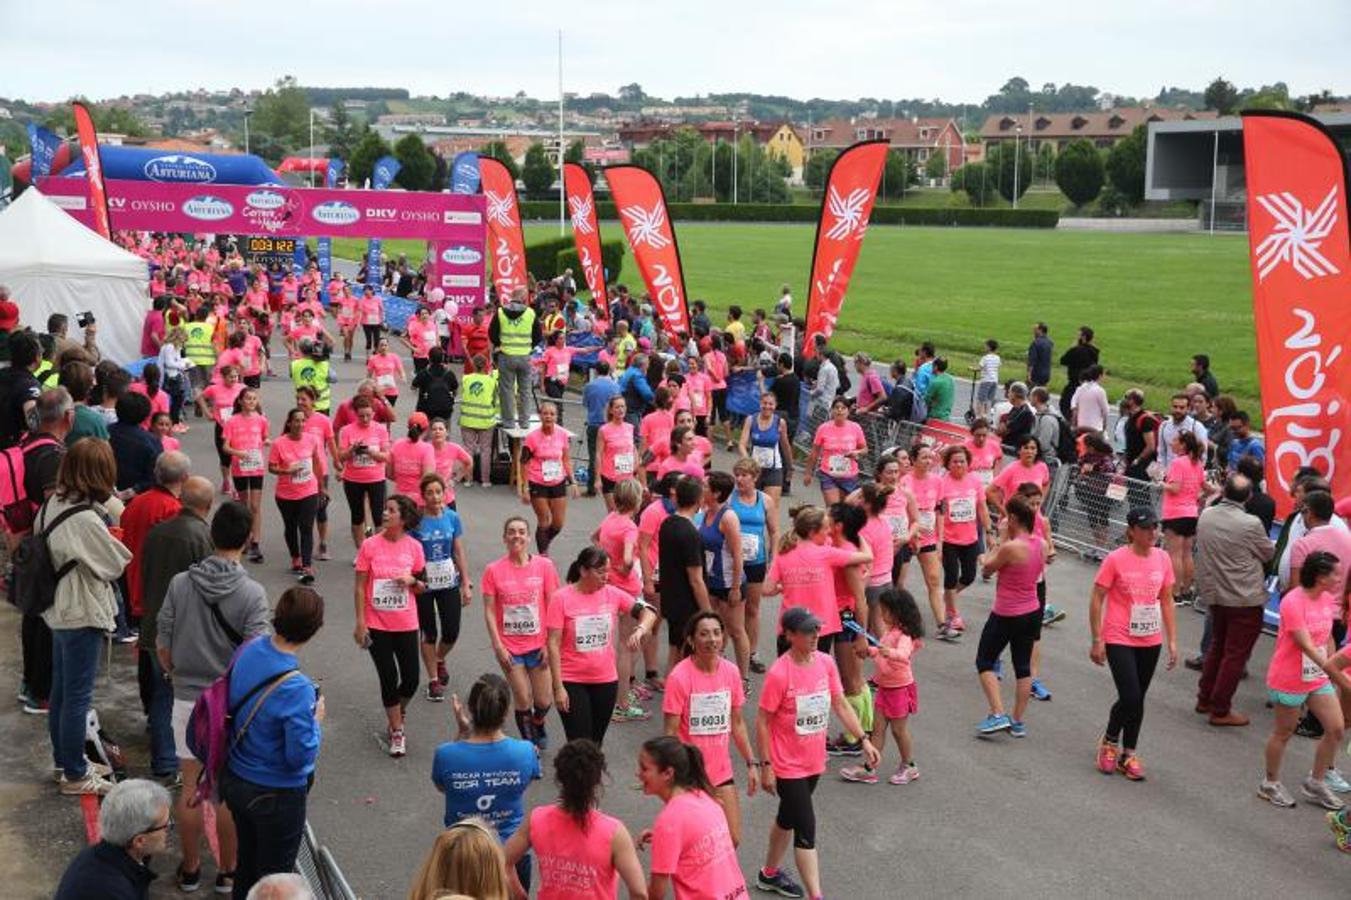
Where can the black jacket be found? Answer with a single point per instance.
(104, 872)
(135, 450)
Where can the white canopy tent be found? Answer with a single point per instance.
(53, 264)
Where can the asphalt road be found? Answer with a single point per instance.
(988, 817)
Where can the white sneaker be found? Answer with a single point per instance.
(1275, 793)
(97, 768)
(1316, 791)
(397, 745)
(92, 783)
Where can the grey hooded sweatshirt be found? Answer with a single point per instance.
(198, 646)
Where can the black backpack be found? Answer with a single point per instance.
(1064, 449)
(35, 577)
(436, 395)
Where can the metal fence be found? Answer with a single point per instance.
(316, 865)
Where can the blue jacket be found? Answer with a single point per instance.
(637, 380)
(596, 395)
(281, 745)
(135, 450)
(104, 872)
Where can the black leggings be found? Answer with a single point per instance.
(795, 810)
(174, 388)
(1018, 632)
(1132, 670)
(372, 333)
(959, 564)
(357, 492)
(591, 706)
(297, 523)
(395, 654)
(443, 607)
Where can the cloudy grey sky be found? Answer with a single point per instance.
(960, 50)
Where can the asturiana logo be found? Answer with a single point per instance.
(335, 212)
(265, 199)
(208, 208)
(461, 255)
(180, 168)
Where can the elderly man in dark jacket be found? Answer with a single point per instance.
(134, 822)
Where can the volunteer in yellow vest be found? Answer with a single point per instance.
(478, 414)
(515, 331)
(201, 352)
(310, 370)
(625, 346)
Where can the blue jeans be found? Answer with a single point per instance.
(75, 659)
(270, 823)
(163, 752)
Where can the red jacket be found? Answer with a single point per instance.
(143, 513)
(346, 415)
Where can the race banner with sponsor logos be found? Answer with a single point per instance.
(586, 229)
(642, 211)
(504, 226)
(43, 145)
(851, 188)
(464, 177)
(93, 170)
(1301, 270)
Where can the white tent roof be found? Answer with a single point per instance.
(52, 263)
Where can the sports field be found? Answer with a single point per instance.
(1153, 299)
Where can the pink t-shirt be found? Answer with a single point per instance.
(390, 606)
(649, 523)
(1331, 538)
(691, 844)
(574, 863)
(247, 431)
(1191, 475)
(1134, 616)
(557, 362)
(521, 595)
(620, 458)
(708, 706)
(700, 392)
(715, 367)
(835, 441)
(347, 310)
(422, 336)
(253, 355)
(692, 465)
(372, 310)
(362, 468)
(1015, 475)
(590, 627)
(547, 452)
(304, 482)
(807, 575)
(321, 426)
(797, 699)
(222, 400)
(616, 532)
(655, 430)
(1290, 670)
(170, 443)
(893, 659)
(446, 456)
(927, 492)
(876, 533)
(158, 403)
(984, 459)
(410, 461)
(382, 367)
(961, 500)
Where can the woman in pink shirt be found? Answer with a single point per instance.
(453, 462)
(682, 457)
(655, 431)
(1184, 488)
(149, 387)
(1302, 673)
(803, 571)
(616, 451)
(420, 337)
(582, 853)
(1130, 614)
(387, 370)
(871, 394)
(837, 447)
(220, 405)
(410, 458)
(517, 589)
(297, 459)
(349, 314)
(363, 449)
(702, 707)
(800, 691)
(693, 851)
(987, 456)
(555, 364)
(547, 476)
(618, 537)
(583, 619)
(389, 576)
(699, 391)
(1027, 468)
(372, 311)
(320, 427)
(702, 445)
(245, 438)
(965, 519)
(715, 365)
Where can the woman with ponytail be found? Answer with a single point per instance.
(847, 523)
(802, 569)
(411, 458)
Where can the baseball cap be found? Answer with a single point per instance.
(9, 316)
(798, 619)
(644, 344)
(419, 420)
(1141, 517)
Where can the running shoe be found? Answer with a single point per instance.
(1275, 793)
(296, 565)
(746, 686)
(1039, 690)
(1107, 754)
(640, 692)
(993, 724)
(398, 745)
(91, 783)
(36, 707)
(97, 768)
(630, 714)
(436, 692)
(322, 555)
(1017, 729)
(956, 624)
(24, 694)
(225, 883)
(654, 684)
(1337, 782)
(756, 666)
(442, 675)
(947, 633)
(779, 883)
(1129, 764)
(859, 774)
(1317, 791)
(306, 576)
(188, 882)
(1052, 615)
(904, 775)
(1342, 841)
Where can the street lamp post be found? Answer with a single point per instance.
(248, 111)
(311, 146)
(1017, 131)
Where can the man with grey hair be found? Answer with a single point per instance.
(1019, 422)
(515, 331)
(281, 886)
(134, 821)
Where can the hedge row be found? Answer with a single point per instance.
(611, 255)
(802, 212)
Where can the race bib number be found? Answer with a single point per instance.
(927, 520)
(1116, 491)
(520, 620)
(899, 526)
(385, 381)
(225, 413)
(304, 474)
(592, 633)
(697, 403)
(1310, 671)
(986, 476)
(813, 713)
(441, 574)
(766, 457)
(251, 461)
(750, 547)
(1146, 619)
(962, 509)
(623, 463)
(389, 595)
(551, 469)
(561, 371)
(710, 714)
(362, 458)
(372, 318)
(837, 464)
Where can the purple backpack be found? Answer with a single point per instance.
(212, 722)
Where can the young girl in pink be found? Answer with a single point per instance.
(410, 458)
(387, 370)
(163, 428)
(897, 697)
(926, 486)
(246, 438)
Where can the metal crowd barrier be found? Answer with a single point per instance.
(316, 865)
(1088, 512)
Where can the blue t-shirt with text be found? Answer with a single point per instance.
(488, 780)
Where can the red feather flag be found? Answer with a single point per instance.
(642, 211)
(93, 169)
(586, 230)
(504, 227)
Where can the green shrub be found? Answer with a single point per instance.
(540, 258)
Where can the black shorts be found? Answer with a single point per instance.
(247, 482)
(607, 486)
(438, 614)
(754, 573)
(253, 381)
(549, 491)
(676, 619)
(221, 455)
(719, 411)
(1183, 527)
(769, 478)
(959, 564)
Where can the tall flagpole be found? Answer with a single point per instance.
(562, 209)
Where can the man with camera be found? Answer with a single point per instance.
(57, 326)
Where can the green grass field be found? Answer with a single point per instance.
(1153, 299)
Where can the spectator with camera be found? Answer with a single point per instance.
(57, 326)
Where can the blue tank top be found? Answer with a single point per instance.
(754, 535)
(765, 444)
(717, 562)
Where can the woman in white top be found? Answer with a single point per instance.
(174, 368)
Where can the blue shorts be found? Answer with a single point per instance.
(532, 660)
(844, 485)
(1284, 698)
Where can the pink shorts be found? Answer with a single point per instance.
(896, 702)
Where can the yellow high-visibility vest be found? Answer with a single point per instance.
(311, 373)
(515, 333)
(198, 346)
(478, 401)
